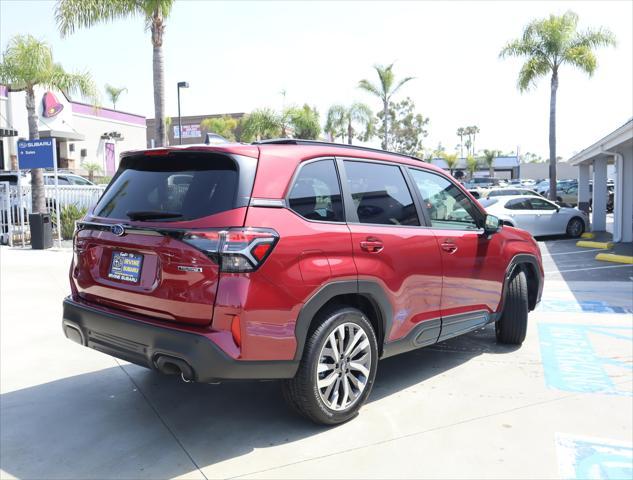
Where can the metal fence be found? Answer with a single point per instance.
(16, 204)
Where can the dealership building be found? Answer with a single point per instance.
(83, 133)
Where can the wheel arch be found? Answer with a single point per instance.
(529, 265)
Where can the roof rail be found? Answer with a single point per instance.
(299, 141)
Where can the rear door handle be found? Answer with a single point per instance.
(372, 245)
(449, 247)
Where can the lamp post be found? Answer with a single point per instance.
(180, 85)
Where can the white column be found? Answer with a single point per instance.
(599, 205)
(583, 187)
(623, 209)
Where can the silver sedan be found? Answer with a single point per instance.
(537, 215)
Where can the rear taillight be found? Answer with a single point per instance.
(237, 249)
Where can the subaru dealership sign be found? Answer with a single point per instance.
(36, 153)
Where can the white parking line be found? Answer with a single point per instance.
(589, 268)
(571, 252)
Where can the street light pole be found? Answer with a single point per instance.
(180, 85)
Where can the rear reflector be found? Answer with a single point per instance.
(236, 250)
(236, 331)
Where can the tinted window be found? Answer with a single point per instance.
(518, 204)
(79, 181)
(509, 191)
(186, 186)
(447, 205)
(380, 194)
(50, 180)
(540, 204)
(315, 193)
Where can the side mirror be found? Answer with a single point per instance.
(492, 225)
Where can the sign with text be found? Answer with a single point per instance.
(36, 153)
(188, 131)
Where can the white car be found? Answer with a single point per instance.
(537, 215)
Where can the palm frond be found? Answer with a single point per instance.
(370, 87)
(532, 70)
(72, 15)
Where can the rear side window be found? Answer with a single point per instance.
(315, 194)
(518, 204)
(174, 187)
(380, 194)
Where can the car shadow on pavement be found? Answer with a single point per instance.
(102, 425)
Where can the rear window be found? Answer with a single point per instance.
(176, 187)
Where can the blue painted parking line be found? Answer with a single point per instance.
(589, 458)
(573, 306)
(571, 364)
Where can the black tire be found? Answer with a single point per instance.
(512, 326)
(575, 227)
(302, 393)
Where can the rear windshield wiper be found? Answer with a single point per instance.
(152, 215)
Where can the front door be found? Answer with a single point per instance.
(473, 270)
(545, 217)
(109, 159)
(392, 249)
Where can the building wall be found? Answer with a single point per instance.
(190, 124)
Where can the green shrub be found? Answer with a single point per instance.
(68, 216)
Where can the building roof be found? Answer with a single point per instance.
(622, 137)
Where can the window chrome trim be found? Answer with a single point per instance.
(268, 202)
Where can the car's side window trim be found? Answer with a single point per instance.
(352, 215)
(296, 174)
(480, 216)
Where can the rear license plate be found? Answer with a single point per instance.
(126, 267)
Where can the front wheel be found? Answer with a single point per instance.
(338, 368)
(575, 227)
(512, 326)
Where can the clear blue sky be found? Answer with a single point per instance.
(238, 56)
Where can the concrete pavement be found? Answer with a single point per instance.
(560, 405)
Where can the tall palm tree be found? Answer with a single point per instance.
(384, 90)
(546, 45)
(114, 93)
(27, 63)
(451, 161)
(474, 130)
(74, 14)
(471, 165)
(342, 120)
(489, 158)
(461, 131)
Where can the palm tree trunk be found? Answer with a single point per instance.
(491, 168)
(38, 199)
(461, 146)
(159, 78)
(552, 136)
(350, 132)
(385, 123)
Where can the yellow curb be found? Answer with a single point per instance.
(588, 235)
(612, 257)
(588, 244)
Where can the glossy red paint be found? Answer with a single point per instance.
(425, 273)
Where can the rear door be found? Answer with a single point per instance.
(472, 264)
(139, 250)
(547, 219)
(520, 211)
(391, 247)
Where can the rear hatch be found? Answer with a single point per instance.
(148, 246)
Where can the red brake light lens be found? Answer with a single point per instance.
(236, 250)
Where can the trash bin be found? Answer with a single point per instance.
(41, 231)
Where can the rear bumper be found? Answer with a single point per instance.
(145, 344)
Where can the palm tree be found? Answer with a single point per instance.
(114, 93)
(27, 63)
(471, 165)
(385, 90)
(451, 161)
(473, 130)
(461, 131)
(341, 120)
(260, 124)
(74, 14)
(489, 158)
(546, 45)
(304, 121)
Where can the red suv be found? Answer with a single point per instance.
(294, 260)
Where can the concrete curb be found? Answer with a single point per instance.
(612, 257)
(590, 244)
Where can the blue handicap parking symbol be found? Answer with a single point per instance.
(582, 458)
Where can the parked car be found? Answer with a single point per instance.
(537, 215)
(294, 260)
(503, 192)
(570, 196)
(481, 182)
(66, 179)
(543, 187)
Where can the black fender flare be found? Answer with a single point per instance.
(516, 262)
(371, 290)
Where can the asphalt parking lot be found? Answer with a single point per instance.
(560, 406)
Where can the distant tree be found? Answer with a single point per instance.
(224, 126)
(546, 45)
(471, 165)
(384, 90)
(92, 168)
(304, 122)
(354, 121)
(407, 128)
(489, 158)
(28, 63)
(451, 161)
(473, 131)
(114, 93)
(261, 124)
(461, 131)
